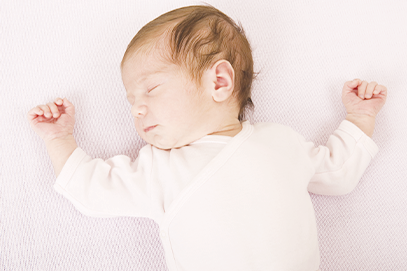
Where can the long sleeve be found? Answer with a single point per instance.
(340, 164)
(110, 188)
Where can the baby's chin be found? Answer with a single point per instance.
(157, 145)
(166, 146)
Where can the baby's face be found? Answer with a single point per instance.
(161, 96)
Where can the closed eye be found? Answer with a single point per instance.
(153, 88)
(129, 97)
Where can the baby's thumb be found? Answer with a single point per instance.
(69, 107)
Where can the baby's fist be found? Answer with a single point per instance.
(363, 98)
(53, 120)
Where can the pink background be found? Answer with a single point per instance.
(305, 51)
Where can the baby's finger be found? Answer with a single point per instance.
(46, 110)
(362, 89)
(353, 84)
(379, 88)
(59, 101)
(369, 90)
(34, 112)
(54, 109)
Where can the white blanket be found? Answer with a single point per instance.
(304, 50)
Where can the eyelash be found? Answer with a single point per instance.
(153, 88)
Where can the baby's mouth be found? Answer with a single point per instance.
(149, 128)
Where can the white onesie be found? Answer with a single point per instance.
(226, 203)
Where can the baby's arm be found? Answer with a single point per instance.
(365, 123)
(96, 187)
(363, 102)
(107, 188)
(54, 123)
(59, 150)
(337, 167)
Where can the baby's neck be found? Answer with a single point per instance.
(230, 132)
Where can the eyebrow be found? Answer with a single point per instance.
(145, 77)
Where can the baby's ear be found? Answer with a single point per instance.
(223, 77)
(224, 69)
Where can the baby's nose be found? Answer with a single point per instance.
(139, 111)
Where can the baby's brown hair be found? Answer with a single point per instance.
(199, 36)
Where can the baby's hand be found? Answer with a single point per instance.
(53, 120)
(361, 98)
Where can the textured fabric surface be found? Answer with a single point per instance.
(304, 50)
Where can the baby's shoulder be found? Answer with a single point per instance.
(275, 131)
(272, 126)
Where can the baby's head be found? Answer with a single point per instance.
(189, 72)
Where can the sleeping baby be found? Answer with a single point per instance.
(226, 194)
